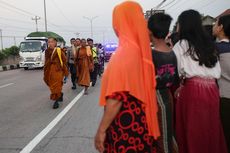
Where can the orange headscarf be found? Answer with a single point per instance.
(131, 69)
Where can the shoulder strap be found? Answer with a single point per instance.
(59, 55)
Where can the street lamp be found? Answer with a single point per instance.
(91, 23)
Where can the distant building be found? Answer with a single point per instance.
(149, 13)
(226, 12)
(208, 20)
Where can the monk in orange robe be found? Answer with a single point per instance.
(55, 70)
(84, 63)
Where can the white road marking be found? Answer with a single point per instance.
(33, 143)
(6, 85)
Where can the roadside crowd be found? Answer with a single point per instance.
(173, 98)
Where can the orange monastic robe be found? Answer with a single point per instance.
(54, 72)
(84, 64)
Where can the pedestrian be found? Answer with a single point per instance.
(94, 73)
(101, 59)
(167, 75)
(221, 30)
(65, 50)
(72, 52)
(84, 63)
(55, 70)
(129, 122)
(198, 125)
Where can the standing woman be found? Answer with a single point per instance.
(129, 123)
(198, 126)
(55, 70)
(84, 62)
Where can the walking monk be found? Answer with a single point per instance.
(54, 71)
(84, 63)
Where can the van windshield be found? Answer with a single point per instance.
(30, 46)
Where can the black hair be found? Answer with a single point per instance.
(55, 39)
(159, 25)
(201, 47)
(89, 39)
(72, 39)
(208, 29)
(225, 21)
(78, 39)
(174, 38)
(83, 39)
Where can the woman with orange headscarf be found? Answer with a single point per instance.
(129, 123)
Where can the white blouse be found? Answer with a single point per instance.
(191, 67)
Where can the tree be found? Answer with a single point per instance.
(2, 55)
(12, 51)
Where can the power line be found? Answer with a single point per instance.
(13, 10)
(63, 14)
(15, 26)
(13, 36)
(174, 4)
(167, 4)
(12, 6)
(15, 20)
(184, 1)
(24, 12)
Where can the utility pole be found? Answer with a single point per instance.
(91, 23)
(36, 18)
(1, 39)
(15, 43)
(45, 15)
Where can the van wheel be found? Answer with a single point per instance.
(25, 68)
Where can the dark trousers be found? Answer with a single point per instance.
(73, 73)
(225, 118)
(93, 75)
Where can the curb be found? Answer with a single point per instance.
(9, 67)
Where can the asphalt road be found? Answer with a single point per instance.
(25, 110)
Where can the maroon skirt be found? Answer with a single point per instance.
(198, 125)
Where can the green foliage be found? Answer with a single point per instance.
(2, 55)
(47, 34)
(12, 51)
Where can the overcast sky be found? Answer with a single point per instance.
(65, 17)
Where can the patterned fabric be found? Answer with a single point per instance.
(128, 132)
(167, 76)
(166, 142)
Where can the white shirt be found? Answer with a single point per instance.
(191, 67)
(223, 40)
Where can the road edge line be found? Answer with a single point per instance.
(38, 138)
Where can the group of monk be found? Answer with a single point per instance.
(77, 59)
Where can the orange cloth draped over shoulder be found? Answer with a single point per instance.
(54, 70)
(131, 69)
